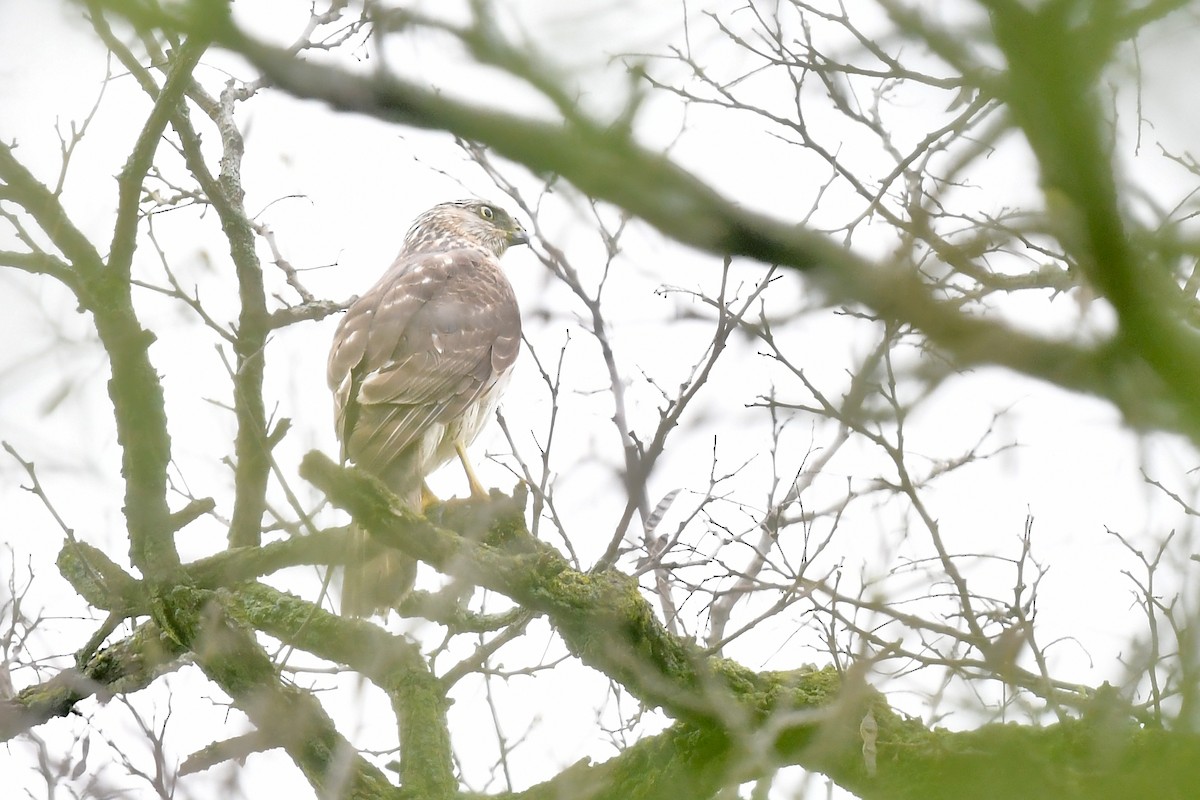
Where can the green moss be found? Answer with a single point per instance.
(98, 579)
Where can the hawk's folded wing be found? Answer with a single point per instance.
(418, 362)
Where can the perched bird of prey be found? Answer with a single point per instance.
(416, 368)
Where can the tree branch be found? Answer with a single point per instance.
(288, 715)
(602, 617)
(807, 717)
(40, 264)
(135, 390)
(129, 182)
(606, 163)
(392, 662)
(128, 666)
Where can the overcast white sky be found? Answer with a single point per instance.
(341, 190)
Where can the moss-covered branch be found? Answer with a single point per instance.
(137, 165)
(289, 716)
(226, 195)
(1055, 57)
(238, 564)
(126, 666)
(392, 662)
(134, 388)
(683, 762)
(806, 717)
(602, 617)
(100, 581)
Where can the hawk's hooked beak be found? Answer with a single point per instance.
(519, 236)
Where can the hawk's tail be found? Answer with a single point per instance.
(376, 578)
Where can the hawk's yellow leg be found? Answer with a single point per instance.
(477, 489)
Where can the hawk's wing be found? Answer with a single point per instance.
(421, 348)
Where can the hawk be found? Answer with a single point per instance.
(416, 368)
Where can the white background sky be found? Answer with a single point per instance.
(1077, 470)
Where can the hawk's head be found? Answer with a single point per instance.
(465, 223)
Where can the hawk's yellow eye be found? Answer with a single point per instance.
(486, 212)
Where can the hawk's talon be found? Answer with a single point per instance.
(428, 498)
